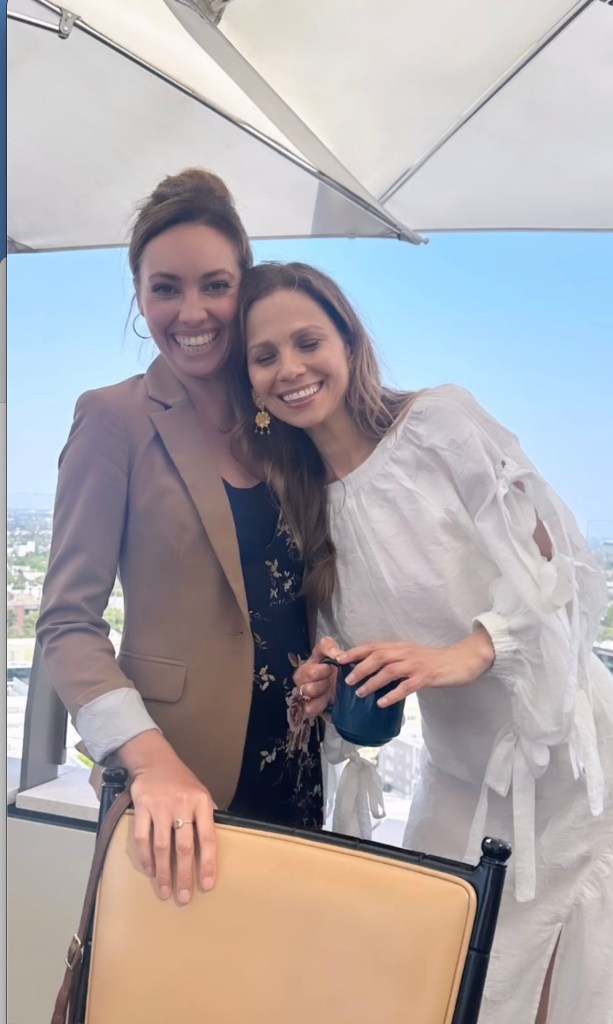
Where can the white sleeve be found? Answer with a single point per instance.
(543, 615)
(109, 721)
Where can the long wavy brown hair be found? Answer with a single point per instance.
(293, 466)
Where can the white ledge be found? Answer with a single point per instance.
(13, 772)
(68, 796)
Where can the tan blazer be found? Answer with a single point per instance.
(139, 492)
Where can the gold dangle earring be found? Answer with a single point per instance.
(262, 417)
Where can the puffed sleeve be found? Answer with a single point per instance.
(543, 613)
(88, 523)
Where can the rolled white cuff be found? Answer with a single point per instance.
(109, 721)
(504, 644)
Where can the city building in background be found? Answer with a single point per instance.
(28, 543)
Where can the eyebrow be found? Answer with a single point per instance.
(306, 327)
(176, 277)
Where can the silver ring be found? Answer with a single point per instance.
(303, 696)
(179, 823)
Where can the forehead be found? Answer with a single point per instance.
(189, 249)
(284, 311)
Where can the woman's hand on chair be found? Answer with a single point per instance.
(170, 806)
(315, 681)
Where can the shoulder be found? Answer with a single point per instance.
(448, 400)
(449, 416)
(114, 396)
(121, 408)
(111, 419)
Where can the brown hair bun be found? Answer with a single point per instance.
(193, 196)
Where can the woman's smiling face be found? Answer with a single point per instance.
(297, 359)
(188, 287)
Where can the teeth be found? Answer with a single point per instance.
(195, 342)
(297, 396)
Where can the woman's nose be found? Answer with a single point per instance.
(292, 366)
(193, 308)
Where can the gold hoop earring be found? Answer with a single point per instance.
(262, 417)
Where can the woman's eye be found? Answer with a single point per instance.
(218, 286)
(263, 360)
(163, 289)
(309, 346)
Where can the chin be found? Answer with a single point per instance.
(208, 364)
(304, 421)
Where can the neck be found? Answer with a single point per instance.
(342, 445)
(215, 414)
(211, 401)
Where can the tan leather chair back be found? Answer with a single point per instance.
(295, 932)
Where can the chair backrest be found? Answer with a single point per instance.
(300, 927)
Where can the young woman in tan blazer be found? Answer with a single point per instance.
(200, 704)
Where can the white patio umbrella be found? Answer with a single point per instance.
(340, 118)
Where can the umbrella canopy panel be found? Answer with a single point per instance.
(538, 155)
(90, 132)
(337, 119)
(406, 71)
(386, 87)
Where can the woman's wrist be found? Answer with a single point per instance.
(477, 651)
(145, 751)
(482, 647)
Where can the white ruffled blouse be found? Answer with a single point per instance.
(434, 532)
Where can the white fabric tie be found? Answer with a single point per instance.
(584, 753)
(514, 764)
(359, 792)
(359, 798)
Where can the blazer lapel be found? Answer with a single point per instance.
(185, 443)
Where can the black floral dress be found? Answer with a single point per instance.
(281, 776)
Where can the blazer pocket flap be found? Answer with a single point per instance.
(154, 678)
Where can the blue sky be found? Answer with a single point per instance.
(525, 321)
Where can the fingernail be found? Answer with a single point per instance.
(340, 656)
(383, 702)
(350, 679)
(164, 892)
(208, 883)
(184, 896)
(360, 693)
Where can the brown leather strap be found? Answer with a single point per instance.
(65, 1004)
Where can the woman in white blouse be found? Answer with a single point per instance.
(439, 557)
